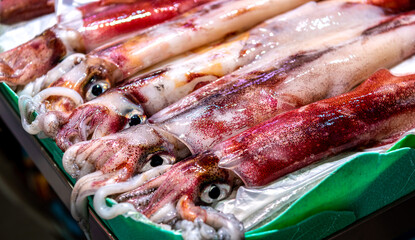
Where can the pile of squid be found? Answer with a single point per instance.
(168, 107)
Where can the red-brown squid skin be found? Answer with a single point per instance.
(377, 112)
(13, 11)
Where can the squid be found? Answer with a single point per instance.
(235, 103)
(132, 102)
(83, 29)
(377, 112)
(13, 11)
(109, 65)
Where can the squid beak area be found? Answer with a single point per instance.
(210, 223)
(89, 122)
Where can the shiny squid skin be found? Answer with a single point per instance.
(185, 179)
(377, 112)
(180, 188)
(110, 19)
(93, 70)
(13, 11)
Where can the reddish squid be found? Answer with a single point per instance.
(237, 102)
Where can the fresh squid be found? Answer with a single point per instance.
(377, 112)
(143, 96)
(83, 29)
(237, 102)
(13, 11)
(107, 66)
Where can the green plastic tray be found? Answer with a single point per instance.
(359, 187)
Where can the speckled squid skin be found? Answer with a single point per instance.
(174, 80)
(127, 162)
(377, 112)
(197, 27)
(187, 177)
(85, 73)
(254, 94)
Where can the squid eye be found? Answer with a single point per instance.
(97, 88)
(156, 160)
(215, 192)
(135, 120)
(135, 117)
